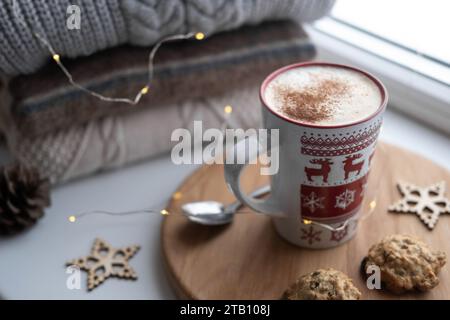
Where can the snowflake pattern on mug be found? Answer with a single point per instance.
(311, 235)
(313, 202)
(339, 235)
(345, 199)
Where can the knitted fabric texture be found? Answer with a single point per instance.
(119, 140)
(108, 23)
(45, 101)
(124, 137)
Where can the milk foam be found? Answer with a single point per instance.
(360, 99)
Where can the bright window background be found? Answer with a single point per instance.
(420, 25)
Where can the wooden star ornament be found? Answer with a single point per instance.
(104, 262)
(427, 202)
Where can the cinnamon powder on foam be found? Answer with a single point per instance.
(313, 103)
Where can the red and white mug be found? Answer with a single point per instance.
(322, 174)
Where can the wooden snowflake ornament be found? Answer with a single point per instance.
(428, 202)
(104, 262)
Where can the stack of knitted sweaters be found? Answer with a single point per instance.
(67, 133)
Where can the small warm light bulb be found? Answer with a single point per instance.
(177, 196)
(199, 36)
(164, 212)
(228, 109)
(372, 204)
(305, 221)
(72, 218)
(145, 90)
(56, 57)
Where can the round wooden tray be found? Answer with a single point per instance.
(248, 260)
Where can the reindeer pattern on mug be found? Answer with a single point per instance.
(335, 165)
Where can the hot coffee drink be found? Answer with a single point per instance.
(323, 95)
(324, 121)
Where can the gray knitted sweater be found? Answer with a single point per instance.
(108, 23)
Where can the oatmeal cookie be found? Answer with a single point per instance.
(323, 284)
(405, 263)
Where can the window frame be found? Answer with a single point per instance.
(411, 92)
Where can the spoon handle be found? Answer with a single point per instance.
(233, 207)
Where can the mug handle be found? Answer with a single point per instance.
(232, 177)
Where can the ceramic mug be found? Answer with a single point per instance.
(322, 173)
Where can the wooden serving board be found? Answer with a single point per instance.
(248, 260)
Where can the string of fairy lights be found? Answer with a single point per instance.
(57, 58)
(368, 209)
(228, 109)
(164, 212)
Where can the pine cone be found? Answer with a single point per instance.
(23, 197)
